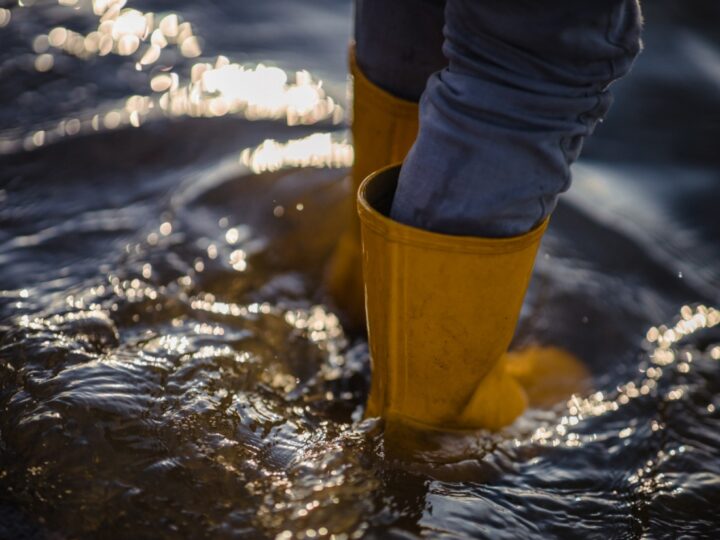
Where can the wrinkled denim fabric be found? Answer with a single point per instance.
(505, 110)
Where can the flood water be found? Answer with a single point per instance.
(172, 179)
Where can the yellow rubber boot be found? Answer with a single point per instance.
(441, 312)
(384, 128)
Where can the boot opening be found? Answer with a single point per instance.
(379, 193)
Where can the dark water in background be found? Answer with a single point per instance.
(169, 368)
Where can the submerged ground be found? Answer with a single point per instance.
(169, 365)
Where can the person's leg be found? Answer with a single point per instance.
(527, 81)
(398, 43)
(499, 128)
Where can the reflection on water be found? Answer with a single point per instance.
(122, 31)
(169, 367)
(212, 89)
(663, 342)
(5, 16)
(258, 93)
(317, 150)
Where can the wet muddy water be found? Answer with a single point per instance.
(172, 180)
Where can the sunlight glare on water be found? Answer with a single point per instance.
(317, 150)
(212, 89)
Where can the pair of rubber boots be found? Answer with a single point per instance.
(441, 310)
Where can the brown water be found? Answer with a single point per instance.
(170, 366)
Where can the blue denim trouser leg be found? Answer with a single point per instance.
(398, 43)
(525, 83)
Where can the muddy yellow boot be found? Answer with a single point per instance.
(384, 128)
(442, 310)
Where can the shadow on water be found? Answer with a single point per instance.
(170, 367)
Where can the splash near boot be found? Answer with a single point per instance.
(384, 128)
(442, 311)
